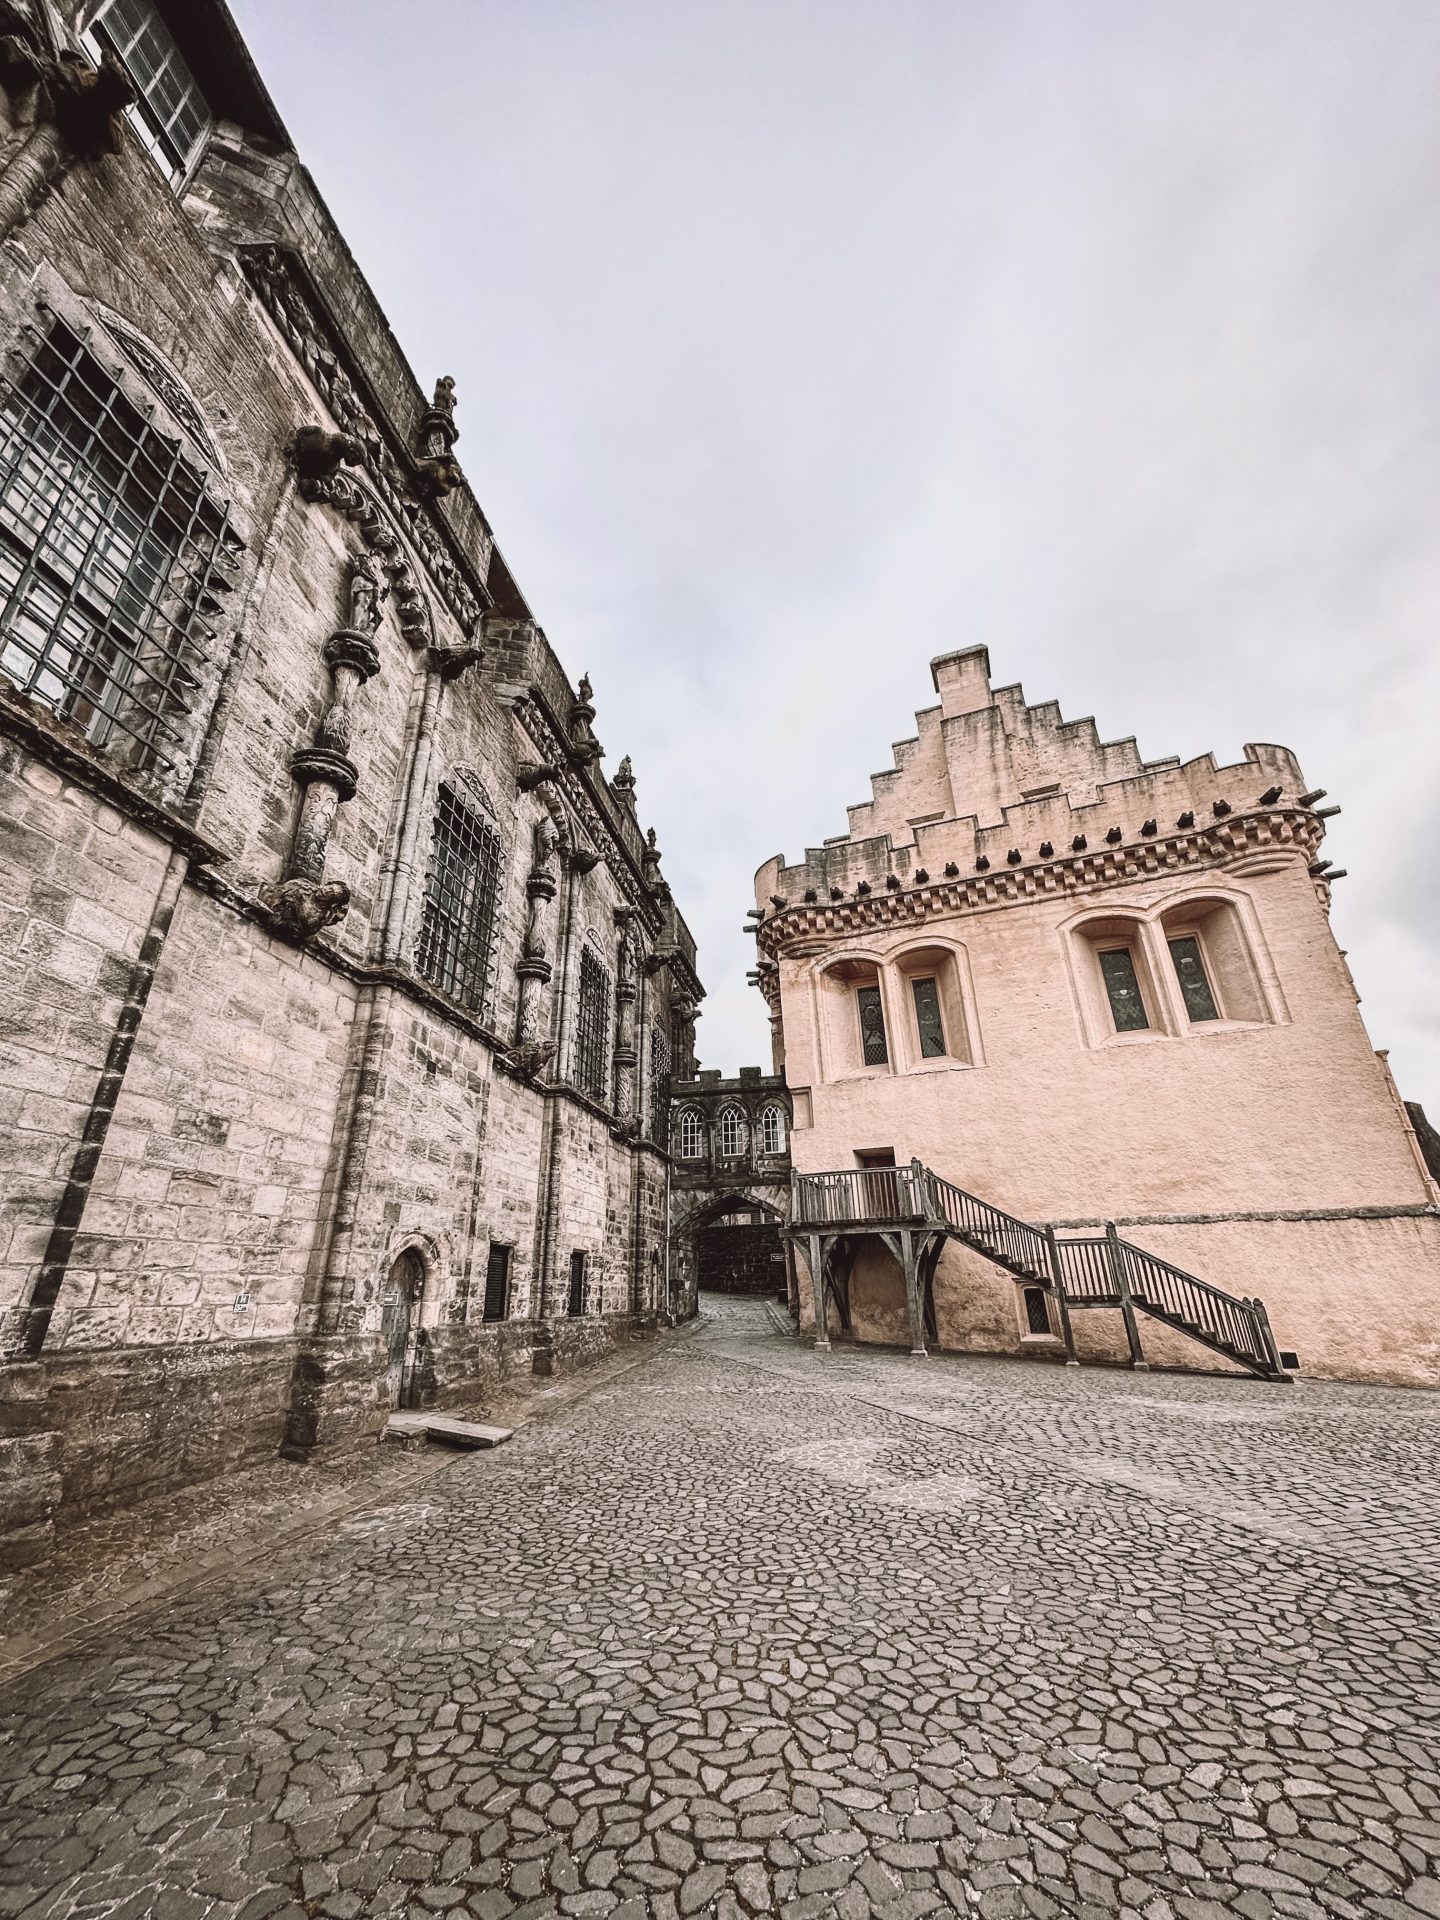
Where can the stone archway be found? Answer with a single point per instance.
(731, 1243)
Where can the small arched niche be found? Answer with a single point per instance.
(933, 1008)
(854, 1019)
(1214, 962)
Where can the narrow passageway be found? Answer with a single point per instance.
(754, 1630)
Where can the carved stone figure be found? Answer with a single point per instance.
(367, 590)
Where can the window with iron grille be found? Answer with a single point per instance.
(592, 1020)
(874, 1050)
(113, 554)
(169, 112)
(457, 930)
(772, 1130)
(733, 1133)
(692, 1135)
(1037, 1311)
(576, 1302)
(659, 1084)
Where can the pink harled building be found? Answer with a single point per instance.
(1077, 1065)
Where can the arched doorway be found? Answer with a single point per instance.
(738, 1248)
(399, 1327)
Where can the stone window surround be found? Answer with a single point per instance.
(893, 970)
(1241, 977)
(732, 1120)
(50, 297)
(683, 1135)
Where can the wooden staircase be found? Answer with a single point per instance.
(916, 1211)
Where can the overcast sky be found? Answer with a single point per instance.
(797, 341)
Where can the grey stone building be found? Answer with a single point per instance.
(730, 1185)
(342, 990)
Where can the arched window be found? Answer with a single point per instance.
(772, 1129)
(733, 1133)
(462, 896)
(113, 552)
(692, 1134)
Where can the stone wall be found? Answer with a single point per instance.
(239, 1075)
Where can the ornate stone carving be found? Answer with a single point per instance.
(435, 441)
(623, 785)
(304, 908)
(89, 102)
(583, 743)
(271, 274)
(626, 989)
(325, 769)
(317, 452)
(533, 1048)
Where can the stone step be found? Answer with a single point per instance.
(443, 1429)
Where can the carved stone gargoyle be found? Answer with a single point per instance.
(89, 102)
(317, 452)
(303, 908)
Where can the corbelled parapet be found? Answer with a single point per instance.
(995, 799)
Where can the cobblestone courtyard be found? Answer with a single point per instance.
(755, 1630)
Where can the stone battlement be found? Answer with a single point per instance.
(988, 776)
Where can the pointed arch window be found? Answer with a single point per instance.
(734, 1134)
(691, 1135)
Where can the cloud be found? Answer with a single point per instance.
(797, 343)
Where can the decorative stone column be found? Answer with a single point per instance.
(304, 902)
(626, 990)
(533, 1044)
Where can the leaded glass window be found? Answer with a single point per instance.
(1127, 1005)
(927, 1019)
(873, 1048)
(734, 1133)
(659, 1084)
(1194, 983)
(692, 1135)
(772, 1130)
(169, 113)
(1037, 1311)
(462, 896)
(592, 1020)
(113, 554)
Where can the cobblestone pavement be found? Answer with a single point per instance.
(755, 1630)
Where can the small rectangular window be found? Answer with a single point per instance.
(1190, 972)
(1117, 969)
(1037, 1311)
(874, 1050)
(577, 1284)
(497, 1283)
(927, 1019)
(169, 113)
